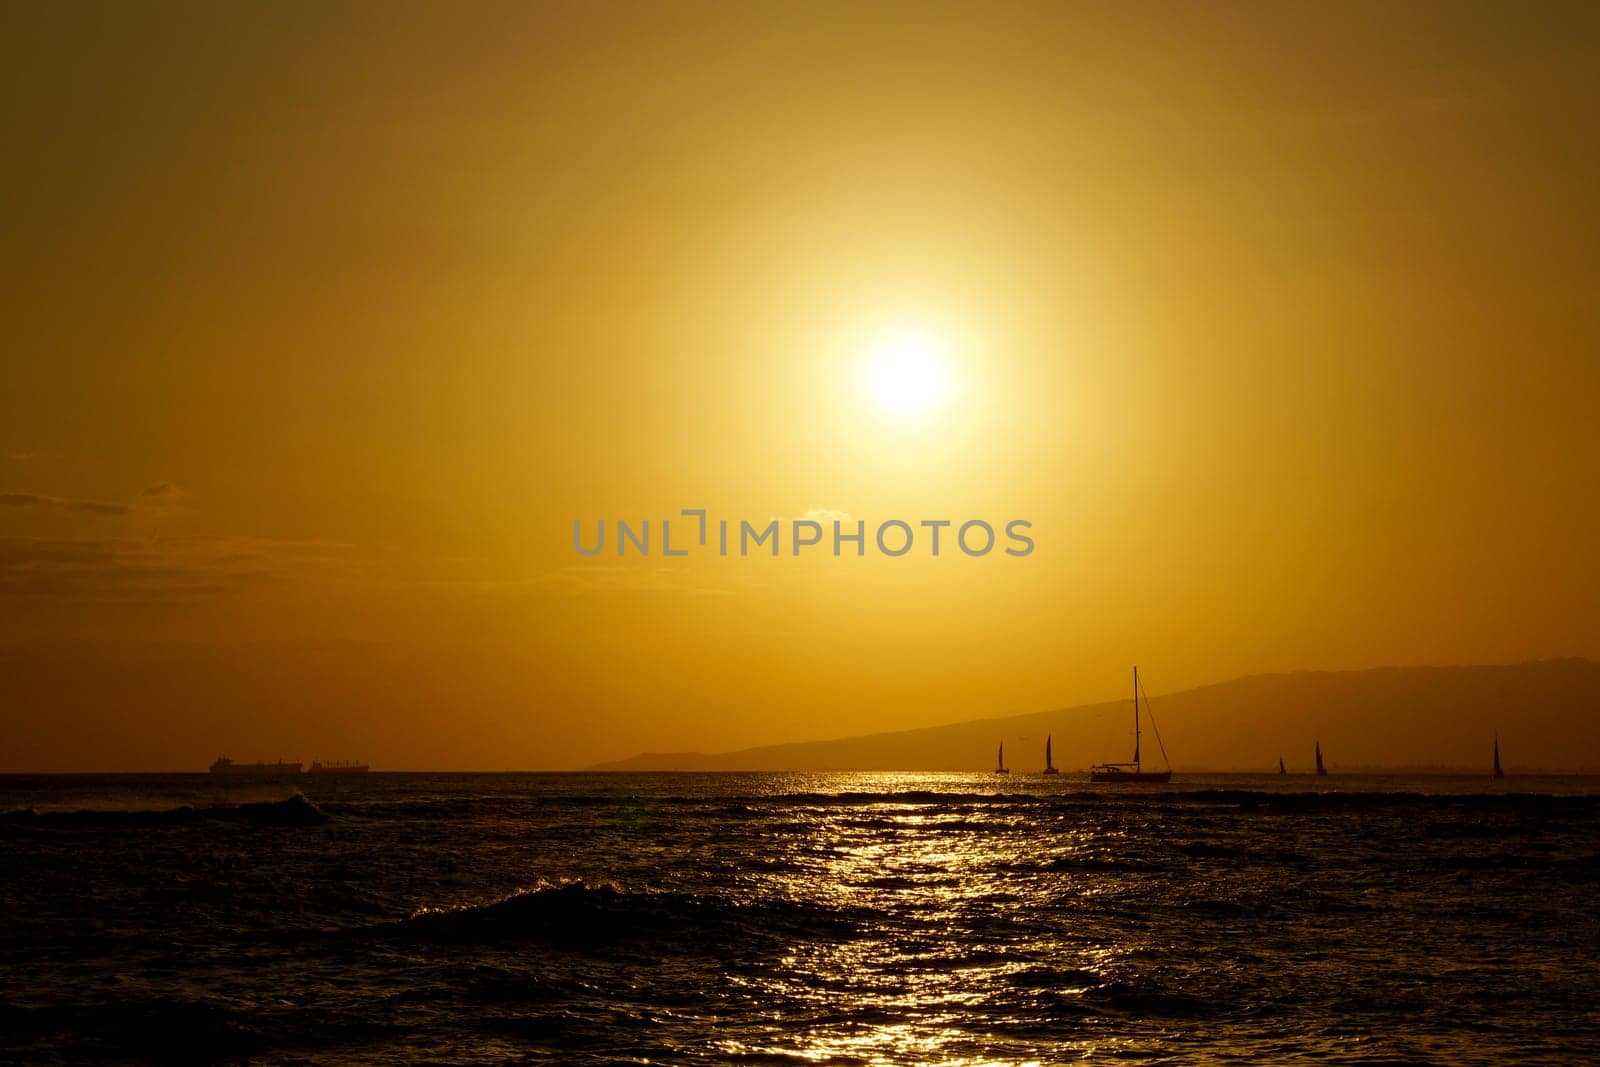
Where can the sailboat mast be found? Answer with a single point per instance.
(1136, 718)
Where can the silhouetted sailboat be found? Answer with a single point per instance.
(1000, 761)
(1133, 770)
(1281, 768)
(1498, 773)
(1320, 768)
(1049, 766)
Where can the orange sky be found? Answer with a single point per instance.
(324, 323)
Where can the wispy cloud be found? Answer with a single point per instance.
(594, 578)
(160, 497)
(157, 571)
(828, 516)
(162, 500)
(61, 503)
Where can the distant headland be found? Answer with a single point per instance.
(1546, 712)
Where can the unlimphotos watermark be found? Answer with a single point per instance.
(741, 537)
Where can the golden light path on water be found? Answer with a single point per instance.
(853, 920)
(951, 884)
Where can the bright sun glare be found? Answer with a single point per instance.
(908, 376)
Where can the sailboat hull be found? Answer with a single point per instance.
(1051, 770)
(1133, 770)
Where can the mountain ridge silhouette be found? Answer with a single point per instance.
(1547, 713)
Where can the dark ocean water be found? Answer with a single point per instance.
(806, 919)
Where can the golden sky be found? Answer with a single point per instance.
(324, 322)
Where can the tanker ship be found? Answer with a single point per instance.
(224, 765)
(338, 767)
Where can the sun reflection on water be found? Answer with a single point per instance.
(946, 892)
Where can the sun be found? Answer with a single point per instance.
(908, 376)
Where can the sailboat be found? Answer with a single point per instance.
(1049, 766)
(1133, 770)
(1498, 773)
(1281, 768)
(1000, 761)
(1320, 768)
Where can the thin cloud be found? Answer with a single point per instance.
(162, 499)
(828, 516)
(158, 571)
(59, 503)
(591, 579)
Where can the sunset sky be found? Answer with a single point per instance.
(324, 322)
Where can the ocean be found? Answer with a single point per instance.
(799, 919)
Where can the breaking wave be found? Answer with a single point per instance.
(293, 810)
(580, 915)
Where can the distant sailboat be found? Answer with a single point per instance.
(1281, 769)
(1049, 766)
(1133, 770)
(1320, 768)
(1000, 761)
(1498, 773)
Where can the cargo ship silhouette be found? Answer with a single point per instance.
(282, 768)
(338, 767)
(224, 765)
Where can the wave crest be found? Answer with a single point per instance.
(293, 810)
(584, 915)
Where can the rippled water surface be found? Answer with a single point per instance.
(772, 918)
